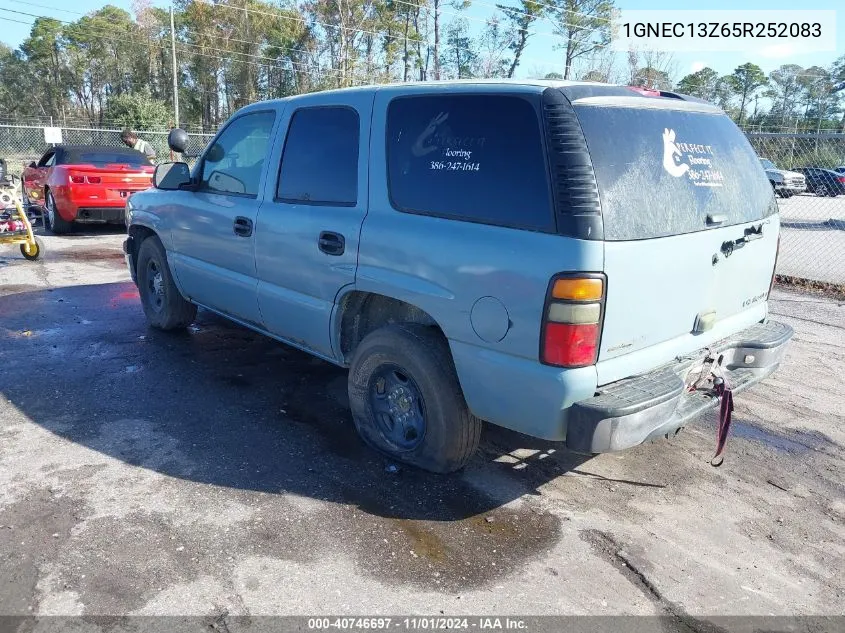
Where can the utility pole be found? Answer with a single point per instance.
(175, 78)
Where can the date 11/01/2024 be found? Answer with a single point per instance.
(454, 166)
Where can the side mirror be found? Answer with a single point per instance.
(171, 176)
(33, 165)
(177, 140)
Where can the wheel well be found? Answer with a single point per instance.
(138, 235)
(365, 312)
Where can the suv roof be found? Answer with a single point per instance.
(573, 90)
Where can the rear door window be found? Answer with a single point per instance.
(478, 158)
(320, 160)
(663, 171)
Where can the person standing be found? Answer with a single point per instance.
(131, 139)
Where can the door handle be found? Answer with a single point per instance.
(243, 226)
(331, 243)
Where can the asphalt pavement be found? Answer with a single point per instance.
(217, 473)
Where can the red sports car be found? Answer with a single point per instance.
(85, 184)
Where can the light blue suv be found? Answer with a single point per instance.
(564, 259)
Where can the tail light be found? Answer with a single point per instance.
(572, 320)
(841, 179)
(79, 179)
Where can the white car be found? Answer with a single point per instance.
(785, 183)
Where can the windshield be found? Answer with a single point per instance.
(767, 164)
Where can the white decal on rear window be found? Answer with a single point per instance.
(692, 159)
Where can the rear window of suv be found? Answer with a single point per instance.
(469, 157)
(663, 171)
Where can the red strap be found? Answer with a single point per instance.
(725, 409)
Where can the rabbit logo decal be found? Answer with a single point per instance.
(670, 150)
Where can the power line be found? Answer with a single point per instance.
(393, 36)
(281, 16)
(99, 33)
(95, 33)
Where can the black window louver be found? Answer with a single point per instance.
(576, 195)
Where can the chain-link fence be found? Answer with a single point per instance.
(22, 144)
(807, 172)
(801, 167)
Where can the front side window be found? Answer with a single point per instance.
(469, 157)
(320, 161)
(233, 164)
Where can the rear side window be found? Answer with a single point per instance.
(662, 172)
(320, 161)
(469, 157)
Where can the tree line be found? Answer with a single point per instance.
(789, 97)
(113, 68)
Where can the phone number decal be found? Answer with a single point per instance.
(438, 165)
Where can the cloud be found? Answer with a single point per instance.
(696, 66)
(778, 51)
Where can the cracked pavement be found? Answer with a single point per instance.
(217, 472)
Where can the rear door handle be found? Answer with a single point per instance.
(243, 226)
(331, 243)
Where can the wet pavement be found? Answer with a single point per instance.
(216, 471)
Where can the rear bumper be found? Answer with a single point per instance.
(100, 215)
(782, 186)
(631, 411)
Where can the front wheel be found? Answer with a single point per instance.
(406, 400)
(35, 252)
(822, 190)
(163, 304)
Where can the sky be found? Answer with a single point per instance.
(540, 55)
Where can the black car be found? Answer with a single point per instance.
(823, 182)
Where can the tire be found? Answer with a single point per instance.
(39, 250)
(54, 222)
(164, 307)
(821, 190)
(449, 433)
(788, 194)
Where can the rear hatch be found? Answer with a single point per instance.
(690, 228)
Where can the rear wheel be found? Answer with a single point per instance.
(406, 400)
(164, 306)
(53, 220)
(822, 190)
